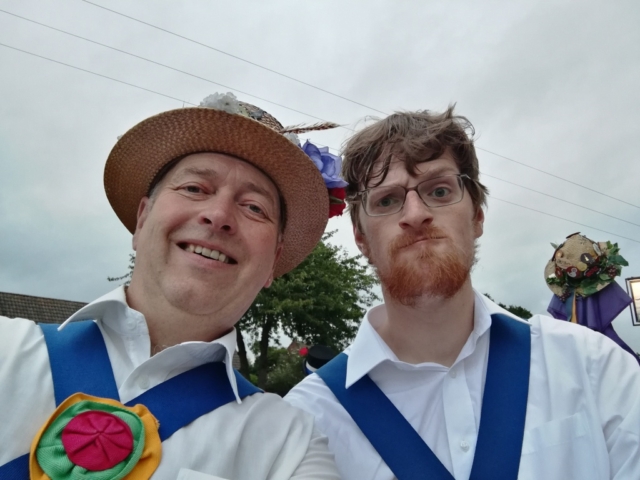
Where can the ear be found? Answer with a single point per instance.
(278, 253)
(143, 212)
(478, 225)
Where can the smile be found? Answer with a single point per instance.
(207, 253)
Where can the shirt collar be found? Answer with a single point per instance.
(112, 308)
(369, 350)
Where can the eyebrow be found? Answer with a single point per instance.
(439, 171)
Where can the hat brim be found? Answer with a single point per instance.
(141, 153)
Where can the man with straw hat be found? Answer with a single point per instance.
(139, 384)
(441, 383)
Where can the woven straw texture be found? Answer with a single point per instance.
(146, 148)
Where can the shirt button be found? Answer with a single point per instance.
(131, 324)
(464, 445)
(143, 382)
(452, 373)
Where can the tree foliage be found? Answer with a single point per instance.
(285, 370)
(320, 302)
(517, 310)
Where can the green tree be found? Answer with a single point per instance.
(319, 302)
(517, 310)
(285, 370)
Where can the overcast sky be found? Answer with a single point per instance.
(550, 84)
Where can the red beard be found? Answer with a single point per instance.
(425, 272)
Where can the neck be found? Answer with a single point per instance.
(169, 325)
(433, 330)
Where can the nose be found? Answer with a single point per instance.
(218, 214)
(415, 214)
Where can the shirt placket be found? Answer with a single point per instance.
(460, 421)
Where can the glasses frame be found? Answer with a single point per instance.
(362, 194)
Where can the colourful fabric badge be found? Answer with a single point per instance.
(90, 438)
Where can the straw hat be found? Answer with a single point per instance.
(243, 131)
(582, 266)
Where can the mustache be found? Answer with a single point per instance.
(408, 238)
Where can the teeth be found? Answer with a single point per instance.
(205, 252)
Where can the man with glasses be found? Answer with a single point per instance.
(440, 382)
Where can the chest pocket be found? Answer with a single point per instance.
(559, 450)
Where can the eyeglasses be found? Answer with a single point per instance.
(435, 192)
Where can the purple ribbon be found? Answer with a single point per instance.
(597, 311)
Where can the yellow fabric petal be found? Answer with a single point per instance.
(151, 454)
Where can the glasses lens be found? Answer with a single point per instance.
(384, 200)
(441, 191)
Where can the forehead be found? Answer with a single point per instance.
(222, 167)
(397, 171)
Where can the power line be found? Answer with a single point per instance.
(561, 199)
(164, 65)
(335, 94)
(562, 218)
(234, 56)
(284, 106)
(97, 74)
(555, 176)
(184, 101)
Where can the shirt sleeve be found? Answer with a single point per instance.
(318, 462)
(615, 379)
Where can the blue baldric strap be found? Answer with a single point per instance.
(80, 363)
(504, 407)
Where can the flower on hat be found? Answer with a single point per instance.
(328, 164)
(227, 102)
(336, 201)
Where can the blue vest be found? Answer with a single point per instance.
(502, 420)
(80, 363)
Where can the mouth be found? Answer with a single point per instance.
(426, 239)
(205, 252)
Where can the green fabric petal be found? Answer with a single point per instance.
(52, 456)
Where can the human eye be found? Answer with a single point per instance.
(384, 200)
(440, 192)
(192, 189)
(255, 209)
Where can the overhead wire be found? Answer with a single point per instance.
(279, 104)
(556, 176)
(189, 103)
(97, 74)
(234, 56)
(561, 199)
(164, 66)
(562, 218)
(339, 96)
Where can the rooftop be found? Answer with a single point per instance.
(38, 309)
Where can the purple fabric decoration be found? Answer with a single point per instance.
(597, 311)
(328, 164)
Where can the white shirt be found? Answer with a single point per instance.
(583, 410)
(260, 437)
